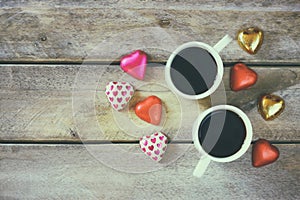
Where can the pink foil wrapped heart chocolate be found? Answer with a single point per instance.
(154, 145)
(134, 64)
(119, 94)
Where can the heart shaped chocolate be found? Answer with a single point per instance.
(263, 153)
(134, 64)
(119, 94)
(270, 106)
(250, 39)
(149, 110)
(154, 145)
(242, 77)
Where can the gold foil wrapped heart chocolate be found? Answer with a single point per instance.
(250, 39)
(270, 106)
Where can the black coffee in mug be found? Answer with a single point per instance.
(193, 71)
(222, 133)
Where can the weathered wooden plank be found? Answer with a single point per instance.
(67, 33)
(71, 172)
(28, 116)
(95, 77)
(262, 5)
(37, 103)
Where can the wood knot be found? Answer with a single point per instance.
(164, 22)
(73, 133)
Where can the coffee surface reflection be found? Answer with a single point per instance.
(193, 71)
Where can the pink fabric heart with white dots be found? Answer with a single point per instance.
(154, 145)
(119, 94)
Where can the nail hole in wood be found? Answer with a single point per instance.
(43, 38)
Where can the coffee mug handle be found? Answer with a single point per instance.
(222, 43)
(201, 166)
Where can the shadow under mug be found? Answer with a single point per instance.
(195, 69)
(221, 133)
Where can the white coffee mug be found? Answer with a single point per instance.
(205, 156)
(213, 51)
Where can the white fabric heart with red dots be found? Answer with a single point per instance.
(154, 145)
(119, 94)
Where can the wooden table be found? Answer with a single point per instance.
(59, 138)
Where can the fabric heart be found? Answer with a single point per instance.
(263, 153)
(134, 64)
(242, 77)
(149, 110)
(270, 106)
(119, 94)
(154, 145)
(250, 39)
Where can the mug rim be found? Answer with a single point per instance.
(216, 57)
(247, 141)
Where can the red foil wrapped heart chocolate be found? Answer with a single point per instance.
(263, 153)
(242, 77)
(149, 110)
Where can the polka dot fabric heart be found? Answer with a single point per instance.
(154, 145)
(119, 94)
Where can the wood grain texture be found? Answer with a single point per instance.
(263, 5)
(68, 31)
(67, 102)
(71, 172)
